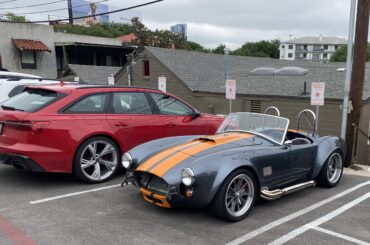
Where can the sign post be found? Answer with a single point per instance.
(162, 83)
(230, 91)
(111, 80)
(317, 98)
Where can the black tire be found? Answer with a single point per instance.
(329, 177)
(219, 204)
(94, 173)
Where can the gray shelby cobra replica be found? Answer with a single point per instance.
(252, 155)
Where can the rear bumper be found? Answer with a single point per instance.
(21, 162)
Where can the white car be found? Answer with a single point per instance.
(10, 87)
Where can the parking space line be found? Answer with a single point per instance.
(317, 222)
(344, 237)
(15, 235)
(292, 216)
(73, 194)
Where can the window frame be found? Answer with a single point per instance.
(290, 46)
(30, 66)
(64, 110)
(290, 55)
(157, 111)
(146, 69)
(110, 105)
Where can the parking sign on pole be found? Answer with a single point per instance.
(317, 98)
(162, 83)
(230, 91)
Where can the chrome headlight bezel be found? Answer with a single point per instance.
(126, 160)
(187, 177)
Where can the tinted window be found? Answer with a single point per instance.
(16, 90)
(130, 103)
(171, 106)
(90, 104)
(31, 100)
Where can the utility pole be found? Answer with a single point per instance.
(70, 14)
(358, 75)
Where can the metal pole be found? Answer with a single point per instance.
(347, 83)
(70, 13)
(317, 119)
(227, 51)
(129, 74)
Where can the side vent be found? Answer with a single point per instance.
(256, 106)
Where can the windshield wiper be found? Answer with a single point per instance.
(10, 108)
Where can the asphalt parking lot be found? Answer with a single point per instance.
(56, 209)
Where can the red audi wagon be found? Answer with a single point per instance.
(84, 129)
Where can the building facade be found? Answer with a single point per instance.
(199, 79)
(180, 28)
(310, 48)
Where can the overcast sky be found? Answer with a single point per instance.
(211, 22)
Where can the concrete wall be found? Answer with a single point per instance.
(10, 56)
(60, 37)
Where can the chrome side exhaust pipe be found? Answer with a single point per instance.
(275, 194)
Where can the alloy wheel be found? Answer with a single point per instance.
(335, 166)
(98, 161)
(239, 195)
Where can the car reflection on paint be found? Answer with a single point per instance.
(253, 155)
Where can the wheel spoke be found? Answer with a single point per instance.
(107, 150)
(86, 163)
(108, 164)
(97, 173)
(92, 148)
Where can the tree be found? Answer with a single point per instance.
(157, 38)
(340, 55)
(193, 46)
(259, 49)
(15, 18)
(219, 50)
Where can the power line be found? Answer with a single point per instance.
(55, 10)
(8, 1)
(93, 15)
(35, 5)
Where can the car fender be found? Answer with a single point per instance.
(219, 167)
(326, 146)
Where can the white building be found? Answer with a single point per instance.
(310, 48)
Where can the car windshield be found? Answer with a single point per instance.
(271, 127)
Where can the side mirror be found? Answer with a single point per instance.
(196, 114)
(288, 143)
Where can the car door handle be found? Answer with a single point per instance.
(170, 125)
(121, 124)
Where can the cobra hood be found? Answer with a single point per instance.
(164, 161)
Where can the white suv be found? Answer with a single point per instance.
(12, 83)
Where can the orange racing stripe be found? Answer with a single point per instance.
(177, 158)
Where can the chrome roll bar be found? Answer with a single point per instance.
(274, 109)
(306, 113)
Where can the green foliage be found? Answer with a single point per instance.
(193, 46)
(100, 30)
(220, 49)
(259, 49)
(15, 18)
(340, 55)
(157, 38)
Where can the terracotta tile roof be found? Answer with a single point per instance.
(26, 44)
(128, 38)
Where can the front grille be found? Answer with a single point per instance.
(152, 183)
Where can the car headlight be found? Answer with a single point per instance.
(187, 177)
(126, 160)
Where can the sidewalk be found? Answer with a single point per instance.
(357, 169)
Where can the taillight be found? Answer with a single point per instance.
(34, 126)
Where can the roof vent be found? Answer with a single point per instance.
(263, 71)
(341, 69)
(291, 71)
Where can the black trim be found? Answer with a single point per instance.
(21, 162)
(105, 110)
